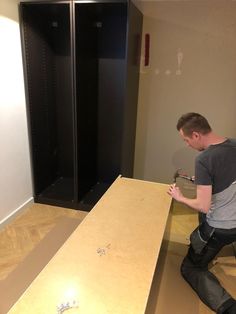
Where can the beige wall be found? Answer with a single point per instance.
(204, 32)
(15, 178)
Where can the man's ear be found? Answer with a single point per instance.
(196, 135)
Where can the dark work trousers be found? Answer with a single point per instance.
(195, 271)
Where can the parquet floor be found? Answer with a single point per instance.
(20, 236)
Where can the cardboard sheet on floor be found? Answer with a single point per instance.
(21, 277)
(171, 294)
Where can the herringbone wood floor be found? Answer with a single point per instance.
(21, 235)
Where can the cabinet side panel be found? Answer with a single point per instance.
(135, 22)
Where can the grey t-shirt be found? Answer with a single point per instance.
(216, 166)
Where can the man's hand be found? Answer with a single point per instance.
(175, 192)
(201, 203)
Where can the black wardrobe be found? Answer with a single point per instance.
(81, 62)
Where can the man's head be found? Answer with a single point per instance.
(193, 127)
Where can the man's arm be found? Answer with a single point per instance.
(201, 203)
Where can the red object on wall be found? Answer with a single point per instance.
(147, 49)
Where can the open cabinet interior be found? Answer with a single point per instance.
(47, 50)
(76, 69)
(100, 71)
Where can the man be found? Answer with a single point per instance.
(215, 179)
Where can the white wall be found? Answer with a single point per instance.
(205, 33)
(15, 178)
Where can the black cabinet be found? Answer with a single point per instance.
(81, 62)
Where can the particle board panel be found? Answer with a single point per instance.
(107, 264)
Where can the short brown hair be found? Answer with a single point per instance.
(193, 122)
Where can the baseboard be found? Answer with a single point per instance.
(16, 212)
